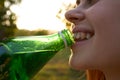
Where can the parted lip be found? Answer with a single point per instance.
(84, 29)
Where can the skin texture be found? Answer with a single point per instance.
(102, 50)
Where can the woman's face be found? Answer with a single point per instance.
(97, 34)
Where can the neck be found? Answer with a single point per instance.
(112, 74)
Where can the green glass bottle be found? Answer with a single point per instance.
(22, 57)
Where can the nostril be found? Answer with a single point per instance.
(73, 17)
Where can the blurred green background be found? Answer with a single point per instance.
(57, 68)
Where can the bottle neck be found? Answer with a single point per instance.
(63, 38)
(67, 37)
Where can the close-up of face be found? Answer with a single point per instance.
(96, 32)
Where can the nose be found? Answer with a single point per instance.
(75, 15)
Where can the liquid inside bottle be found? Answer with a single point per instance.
(22, 57)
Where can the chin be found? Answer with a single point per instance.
(76, 64)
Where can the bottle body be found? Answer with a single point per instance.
(21, 58)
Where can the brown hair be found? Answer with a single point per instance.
(95, 75)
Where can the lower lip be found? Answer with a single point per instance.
(81, 43)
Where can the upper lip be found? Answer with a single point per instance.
(81, 28)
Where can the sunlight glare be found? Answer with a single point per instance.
(39, 14)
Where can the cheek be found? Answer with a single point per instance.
(106, 23)
(105, 20)
(104, 50)
(104, 17)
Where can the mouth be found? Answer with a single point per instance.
(82, 36)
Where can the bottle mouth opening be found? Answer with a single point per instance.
(67, 37)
